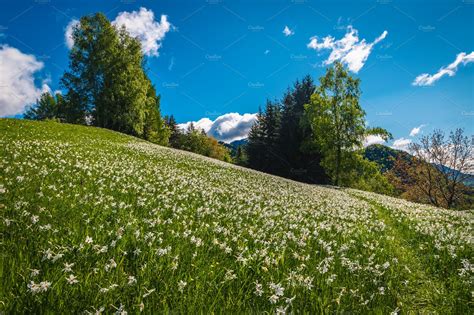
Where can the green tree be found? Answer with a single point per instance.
(107, 85)
(47, 107)
(175, 131)
(271, 131)
(195, 140)
(255, 147)
(338, 122)
(240, 156)
(302, 161)
(263, 145)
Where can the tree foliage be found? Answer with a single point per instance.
(338, 123)
(47, 107)
(195, 140)
(263, 145)
(278, 141)
(106, 83)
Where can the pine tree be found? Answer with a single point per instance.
(255, 147)
(302, 160)
(47, 107)
(262, 147)
(175, 132)
(271, 131)
(241, 156)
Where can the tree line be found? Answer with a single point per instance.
(315, 134)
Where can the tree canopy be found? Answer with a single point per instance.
(106, 83)
(338, 124)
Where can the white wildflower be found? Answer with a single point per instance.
(89, 240)
(34, 219)
(181, 285)
(72, 279)
(132, 280)
(39, 287)
(68, 267)
(273, 298)
(258, 289)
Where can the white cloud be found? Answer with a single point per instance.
(68, 33)
(401, 144)
(416, 130)
(373, 139)
(349, 49)
(17, 81)
(228, 127)
(142, 24)
(287, 31)
(427, 79)
(203, 123)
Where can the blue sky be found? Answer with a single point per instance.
(222, 57)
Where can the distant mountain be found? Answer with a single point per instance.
(386, 157)
(468, 178)
(238, 143)
(234, 145)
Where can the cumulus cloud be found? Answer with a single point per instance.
(287, 31)
(228, 127)
(373, 139)
(416, 130)
(142, 24)
(17, 81)
(203, 123)
(401, 144)
(349, 50)
(69, 41)
(427, 79)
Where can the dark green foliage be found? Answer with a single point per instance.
(278, 142)
(384, 156)
(107, 85)
(255, 146)
(264, 140)
(174, 130)
(241, 156)
(47, 107)
(302, 161)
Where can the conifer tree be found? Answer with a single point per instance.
(47, 107)
(107, 85)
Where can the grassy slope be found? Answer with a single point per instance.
(176, 232)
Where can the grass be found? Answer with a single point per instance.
(96, 221)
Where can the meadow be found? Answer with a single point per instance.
(94, 221)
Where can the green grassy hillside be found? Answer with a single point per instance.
(92, 220)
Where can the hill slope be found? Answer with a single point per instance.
(94, 220)
(385, 157)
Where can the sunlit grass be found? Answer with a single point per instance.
(92, 220)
